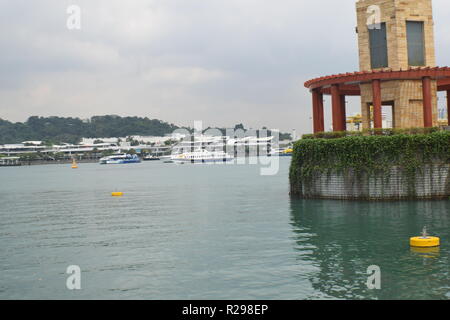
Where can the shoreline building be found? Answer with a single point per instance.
(398, 72)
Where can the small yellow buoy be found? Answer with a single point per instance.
(421, 242)
(74, 164)
(425, 241)
(117, 194)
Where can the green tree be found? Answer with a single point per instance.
(58, 130)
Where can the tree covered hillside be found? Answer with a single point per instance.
(71, 130)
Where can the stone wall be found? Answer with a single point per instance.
(431, 182)
(395, 13)
(406, 95)
(406, 99)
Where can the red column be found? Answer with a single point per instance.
(427, 102)
(343, 113)
(376, 97)
(448, 107)
(321, 113)
(318, 115)
(336, 108)
(315, 111)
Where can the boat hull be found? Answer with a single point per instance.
(281, 155)
(202, 160)
(119, 161)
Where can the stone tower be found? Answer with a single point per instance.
(396, 35)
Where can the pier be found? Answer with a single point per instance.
(10, 162)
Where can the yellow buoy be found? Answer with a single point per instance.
(74, 164)
(425, 241)
(117, 194)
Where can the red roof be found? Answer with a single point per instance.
(442, 74)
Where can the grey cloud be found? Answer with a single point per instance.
(221, 61)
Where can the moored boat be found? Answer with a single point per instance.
(202, 156)
(282, 152)
(120, 159)
(151, 158)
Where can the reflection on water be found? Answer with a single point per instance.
(344, 238)
(431, 253)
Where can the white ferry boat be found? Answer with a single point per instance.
(120, 159)
(202, 156)
(151, 158)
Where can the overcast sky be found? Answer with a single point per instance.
(220, 61)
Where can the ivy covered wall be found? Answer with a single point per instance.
(366, 166)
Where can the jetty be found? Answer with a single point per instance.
(10, 162)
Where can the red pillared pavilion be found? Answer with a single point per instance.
(348, 84)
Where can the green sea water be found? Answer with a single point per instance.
(207, 232)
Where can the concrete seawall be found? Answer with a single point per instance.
(429, 182)
(49, 162)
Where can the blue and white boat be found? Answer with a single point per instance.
(120, 159)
